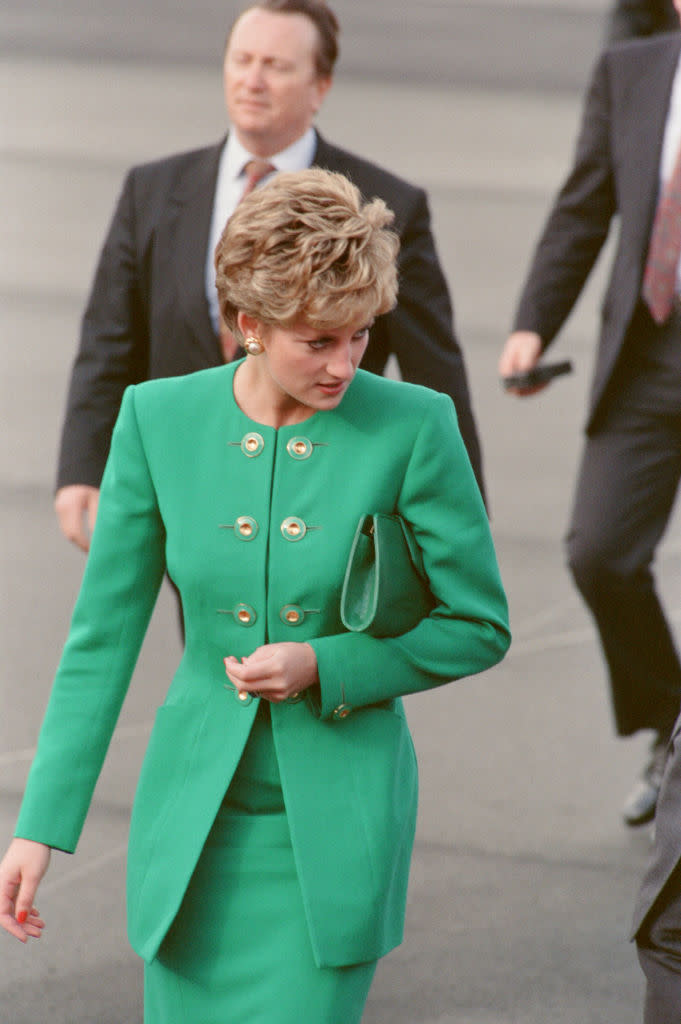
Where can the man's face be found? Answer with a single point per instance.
(272, 88)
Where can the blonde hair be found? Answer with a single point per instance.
(305, 247)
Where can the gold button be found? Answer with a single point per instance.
(244, 614)
(246, 527)
(295, 698)
(252, 444)
(291, 615)
(244, 697)
(342, 711)
(299, 448)
(293, 528)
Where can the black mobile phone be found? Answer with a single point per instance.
(537, 375)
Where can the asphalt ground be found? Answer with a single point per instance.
(523, 876)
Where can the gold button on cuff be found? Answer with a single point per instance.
(299, 448)
(252, 444)
(243, 697)
(246, 527)
(291, 615)
(342, 711)
(293, 528)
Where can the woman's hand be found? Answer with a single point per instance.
(274, 671)
(21, 870)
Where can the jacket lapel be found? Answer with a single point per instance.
(191, 209)
(325, 155)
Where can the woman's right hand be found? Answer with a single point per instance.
(21, 870)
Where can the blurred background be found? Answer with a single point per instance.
(523, 876)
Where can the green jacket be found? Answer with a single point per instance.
(195, 487)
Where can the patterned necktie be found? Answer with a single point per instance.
(659, 276)
(255, 170)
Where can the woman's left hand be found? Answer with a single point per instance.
(274, 671)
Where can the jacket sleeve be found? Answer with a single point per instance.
(578, 223)
(121, 581)
(467, 630)
(113, 350)
(420, 330)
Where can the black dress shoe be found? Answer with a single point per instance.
(639, 806)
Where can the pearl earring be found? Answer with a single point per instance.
(253, 346)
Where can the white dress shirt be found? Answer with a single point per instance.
(229, 187)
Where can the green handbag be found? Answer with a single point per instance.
(385, 590)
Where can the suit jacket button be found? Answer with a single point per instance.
(252, 444)
(342, 711)
(244, 697)
(246, 527)
(293, 528)
(299, 448)
(291, 615)
(245, 615)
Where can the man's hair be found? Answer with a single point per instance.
(305, 247)
(323, 19)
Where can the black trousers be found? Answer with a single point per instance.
(625, 492)
(659, 952)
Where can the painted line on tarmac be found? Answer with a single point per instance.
(565, 638)
(540, 619)
(93, 865)
(125, 732)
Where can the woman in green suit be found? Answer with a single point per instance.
(274, 817)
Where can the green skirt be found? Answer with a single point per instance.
(239, 949)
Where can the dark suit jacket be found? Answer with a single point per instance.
(667, 850)
(147, 314)
(615, 172)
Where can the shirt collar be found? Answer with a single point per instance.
(295, 157)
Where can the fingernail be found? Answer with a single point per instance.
(21, 916)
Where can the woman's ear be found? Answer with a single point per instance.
(248, 325)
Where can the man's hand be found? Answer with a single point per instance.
(520, 354)
(76, 508)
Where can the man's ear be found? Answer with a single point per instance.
(324, 83)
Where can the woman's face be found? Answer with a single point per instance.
(306, 370)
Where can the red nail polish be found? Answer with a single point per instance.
(21, 916)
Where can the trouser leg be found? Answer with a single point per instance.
(659, 952)
(624, 497)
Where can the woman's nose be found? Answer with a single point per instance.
(341, 365)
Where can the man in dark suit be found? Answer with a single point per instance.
(629, 474)
(152, 311)
(656, 924)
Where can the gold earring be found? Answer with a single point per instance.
(253, 345)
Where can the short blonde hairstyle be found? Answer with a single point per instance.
(305, 247)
